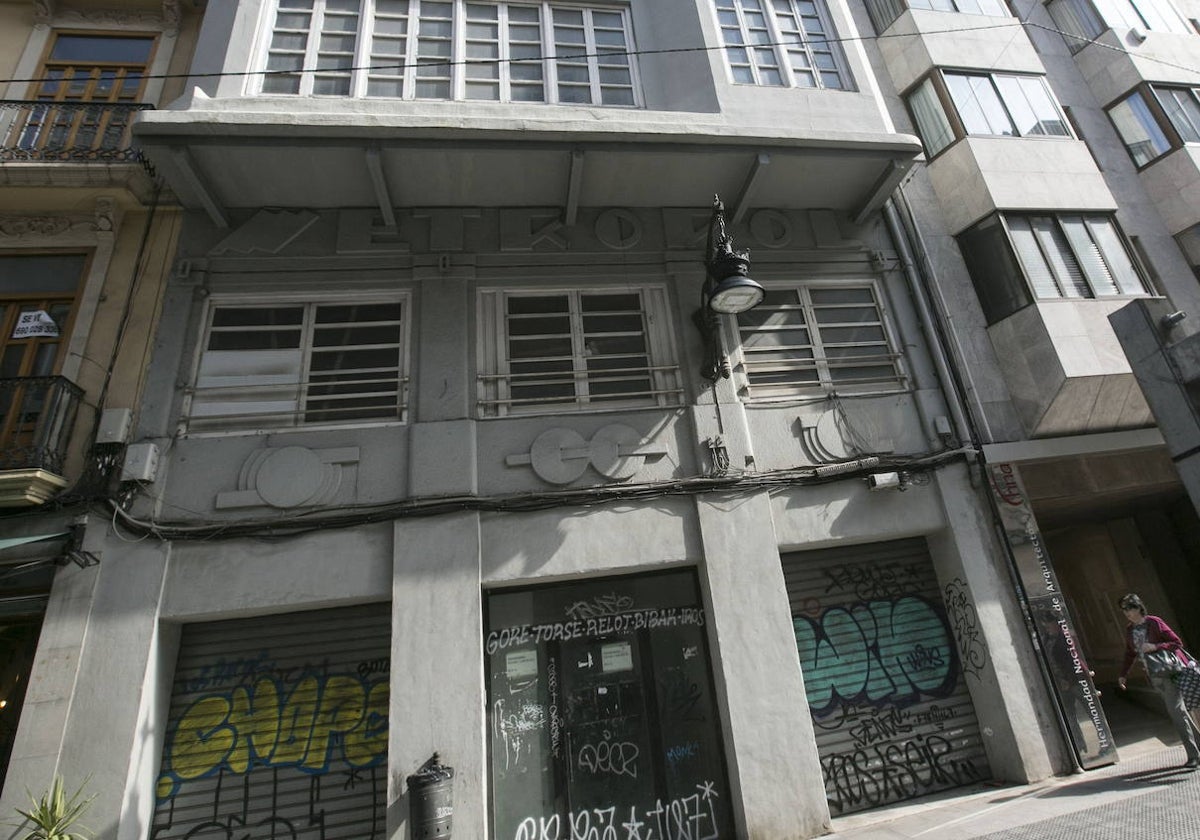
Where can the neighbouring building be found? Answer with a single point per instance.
(87, 236)
(440, 446)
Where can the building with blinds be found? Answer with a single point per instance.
(463, 431)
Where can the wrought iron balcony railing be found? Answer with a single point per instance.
(68, 131)
(37, 415)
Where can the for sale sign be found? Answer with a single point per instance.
(35, 324)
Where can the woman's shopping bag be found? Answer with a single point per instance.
(1188, 682)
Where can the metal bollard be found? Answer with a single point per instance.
(431, 801)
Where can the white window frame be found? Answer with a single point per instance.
(364, 34)
(248, 424)
(781, 46)
(493, 395)
(824, 384)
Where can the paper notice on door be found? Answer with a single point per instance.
(616, 657)
(35, 324)
(520, 664)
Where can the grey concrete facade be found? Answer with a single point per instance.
(744, 505)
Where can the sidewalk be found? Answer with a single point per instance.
(1146, 793)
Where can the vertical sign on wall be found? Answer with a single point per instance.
(1069, 674)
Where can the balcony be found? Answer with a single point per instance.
(65, 144)
(37, 416)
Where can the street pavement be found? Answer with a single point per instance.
(1147, 792)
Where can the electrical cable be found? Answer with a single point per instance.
(335, 517)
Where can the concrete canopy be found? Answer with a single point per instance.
(218, 160)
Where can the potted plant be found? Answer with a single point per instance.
(55, 815)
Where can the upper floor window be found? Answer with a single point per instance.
(951, 104)
(272, 365)
(1155, 119)
(781, 43)
(830, 337)
(1015, 258)
(884, 12)
(575, 350)
(451, 49)
(105, 71)
(1082, 21)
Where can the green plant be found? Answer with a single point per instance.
(54, 814)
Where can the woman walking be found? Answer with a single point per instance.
(1150, 639)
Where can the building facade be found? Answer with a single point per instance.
(86, 238)
(441, 449)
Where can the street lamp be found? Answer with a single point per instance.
(728, 290)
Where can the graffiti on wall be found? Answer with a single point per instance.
(883, 666)
(251, 744)
(965, 620)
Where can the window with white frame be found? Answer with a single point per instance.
(575, 350)
(781, 43)
(452, 50)
(830, 337)
(950, 104)
(1082, 21)
(1015, 258)
(273, 365)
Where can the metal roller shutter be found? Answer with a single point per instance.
(883, 674)
(278, 728)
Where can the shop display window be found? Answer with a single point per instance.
(601, 716)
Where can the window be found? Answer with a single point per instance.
(552, 351)
(884, 12)
(953, 104)
(1082, 21)
(289, 364)
(85, 68)
(830, 337)
(1015, 258)
(781, 43)
(1155, 119)
(929, 116)
(1182, 109)
(1135, 122)
(436, 49)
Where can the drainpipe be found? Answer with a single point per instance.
(963, 429)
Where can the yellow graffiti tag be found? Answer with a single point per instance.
(260, 726)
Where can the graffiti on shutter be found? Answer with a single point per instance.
(884, 673)
(278, 728)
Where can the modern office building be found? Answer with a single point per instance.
(452, 441)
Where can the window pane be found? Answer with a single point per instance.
(1116, 257)
(1031, 107)
(978, 104)
(994, 269)
(1077, 20)
(1088, 255)
(1183, 111)
(1140, 132)
(930, 118)
(1067, 271)
(101, 48)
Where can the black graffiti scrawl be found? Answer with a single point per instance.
(883, 674)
